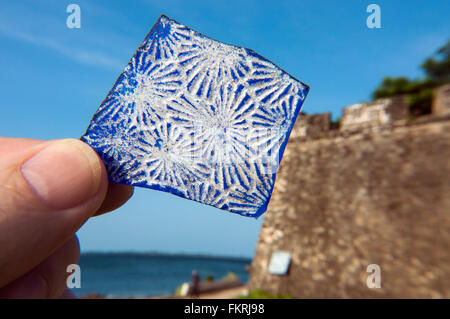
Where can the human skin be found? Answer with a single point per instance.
(48, 190)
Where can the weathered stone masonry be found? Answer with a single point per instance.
(374, 191)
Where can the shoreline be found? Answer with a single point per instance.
(228, 293)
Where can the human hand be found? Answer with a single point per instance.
(48, 189)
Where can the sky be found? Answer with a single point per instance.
(53, 78)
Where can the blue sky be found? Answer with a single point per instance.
(53, 78)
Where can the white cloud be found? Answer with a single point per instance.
(82, 56)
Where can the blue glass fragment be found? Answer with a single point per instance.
(199, 119)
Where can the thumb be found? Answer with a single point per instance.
(47, 191)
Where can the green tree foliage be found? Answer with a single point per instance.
(437, 68)
(419, 91)
(392, 86)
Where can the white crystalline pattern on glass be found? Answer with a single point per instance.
(197, 118)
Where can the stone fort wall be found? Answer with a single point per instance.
(376, 190)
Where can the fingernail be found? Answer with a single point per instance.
(64, 174)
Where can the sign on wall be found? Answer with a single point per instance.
(279, 262)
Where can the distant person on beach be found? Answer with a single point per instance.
(48, 189)
(195, 284)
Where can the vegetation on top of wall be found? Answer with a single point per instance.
(420, 90)
(261, 294)
(335, 124)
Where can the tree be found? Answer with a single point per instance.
(437, 67)
(392, 86)
(419, 91)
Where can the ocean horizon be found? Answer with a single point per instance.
(138, 274)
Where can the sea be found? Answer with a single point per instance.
(149, 274)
